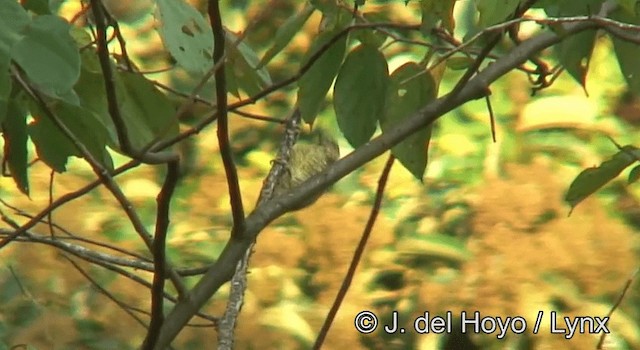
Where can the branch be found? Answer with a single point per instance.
(239, 280)
(225, 266)
(159, 253)
(237, 209)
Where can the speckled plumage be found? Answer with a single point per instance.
(307, 159)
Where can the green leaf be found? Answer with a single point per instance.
(411, 88)
(627, 54)
(359, 94)
(39, 7)
(243, 63)
(435, 12)
(286, 32)
(630, 7)
(592, 179)
(316, 81)
(574, 53)
(5, 86)
(495, 11)
(91, 91)
(371, 36)
(459, 63)
(14, 133)
(49, 56)
(148, 114)
(14, 20)
(53, 146)
(186, 34)
(634, 175)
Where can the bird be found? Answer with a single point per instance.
(307, 158)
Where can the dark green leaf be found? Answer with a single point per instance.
(242, 61)
(91, 91)
(634, 175)
(316, 81)
(148, 114)
(14, 20)
(85, 125)
(627, 54)
(556, 8)
(495, 11)
(39, 7)
(49, 56)
(371, 36)
(435, 12)
(630, 7)
(411, 88)
(459, 63)
(325, 5)
(359, 93)
(186, 34)
(286, 32)
(52, 147)
(15, 144)
(5, 86)
(574, 53)
(592, 179)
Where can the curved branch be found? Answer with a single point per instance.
(237, 209)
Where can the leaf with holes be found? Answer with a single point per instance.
(411, 88)
(186, 34)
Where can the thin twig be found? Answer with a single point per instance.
(61, 201)
(124, 307)
(615, 306)
(50, 218)
(357, 254)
